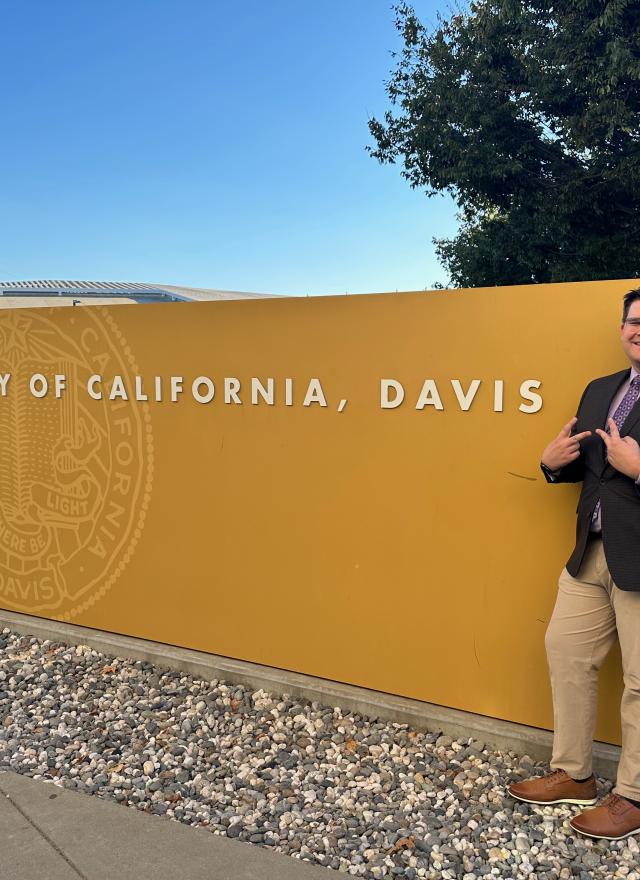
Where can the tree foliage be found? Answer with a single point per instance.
(528, 113)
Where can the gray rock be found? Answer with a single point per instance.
(365, 795)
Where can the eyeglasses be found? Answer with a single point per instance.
(633, 322)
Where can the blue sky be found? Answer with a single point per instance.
(207, 144)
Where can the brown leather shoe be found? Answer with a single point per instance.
(556, 787)
(614, 819)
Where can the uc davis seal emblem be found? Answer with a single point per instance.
(75, 473)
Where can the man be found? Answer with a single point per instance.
(598, 595)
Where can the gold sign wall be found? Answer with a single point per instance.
(341, 486)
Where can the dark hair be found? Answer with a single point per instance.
(628, 298)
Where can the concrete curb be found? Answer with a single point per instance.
(495, 732)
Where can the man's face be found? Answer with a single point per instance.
(630, 334)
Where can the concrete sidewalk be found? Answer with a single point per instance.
(49, 833)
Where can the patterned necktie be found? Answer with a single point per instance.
(626, 405)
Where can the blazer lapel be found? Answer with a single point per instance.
(609, 391)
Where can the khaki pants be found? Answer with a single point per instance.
(589, 612)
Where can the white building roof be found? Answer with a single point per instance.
(18, 294)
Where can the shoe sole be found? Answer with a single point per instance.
(603, 836)
(580, 802)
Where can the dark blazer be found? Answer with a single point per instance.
(619, 495)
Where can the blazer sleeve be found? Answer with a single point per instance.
(574, 471)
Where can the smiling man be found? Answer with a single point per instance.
(598, 595)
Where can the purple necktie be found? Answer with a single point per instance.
(626, 405)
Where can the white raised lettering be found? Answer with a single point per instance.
(465, 400)
(117, 389)
(429, 396)
(91, 383)
(386, 401)
(207, 397)
(527, 394)
(38, 385)
(176, 387)
(140, 395)
(258, 390)
(314, 394)
(231, 388)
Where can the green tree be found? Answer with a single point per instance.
(528, 114)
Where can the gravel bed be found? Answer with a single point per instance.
(362, 796)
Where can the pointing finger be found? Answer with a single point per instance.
(613, 429)
(566, 430)
(581, 436)
(603, 436)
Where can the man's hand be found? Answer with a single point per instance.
(564, 448)
(623, 452)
